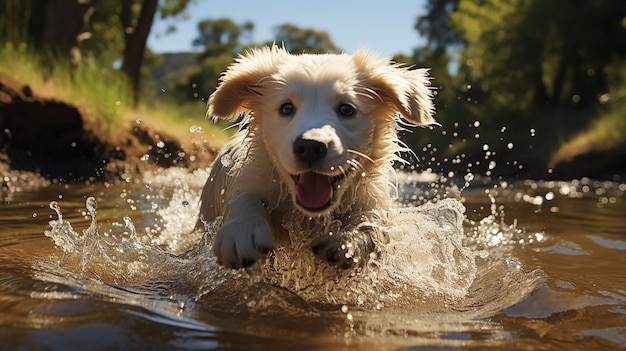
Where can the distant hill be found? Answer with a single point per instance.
(174, 68)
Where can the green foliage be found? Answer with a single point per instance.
(171, 8)
(221, 40)
(219, 37)
(14, 20)
(298, 40)
(107, 39)
(520, 66)
(434, 25)
(202, 81)
(537, 52)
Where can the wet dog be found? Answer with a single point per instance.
(319, 135)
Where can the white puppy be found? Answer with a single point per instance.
(319, 135)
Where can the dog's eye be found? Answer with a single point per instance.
(346, 110)
(286, 109)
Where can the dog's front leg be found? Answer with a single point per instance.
(351, 245)
(246, 233)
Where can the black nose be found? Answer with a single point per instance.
(309, 150)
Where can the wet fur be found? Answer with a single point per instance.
(251, 184)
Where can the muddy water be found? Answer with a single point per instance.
(505, 265)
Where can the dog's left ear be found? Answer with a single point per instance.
(243, 80)
(407, 91)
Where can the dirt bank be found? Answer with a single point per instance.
(55, 140)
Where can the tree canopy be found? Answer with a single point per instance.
(220, 40)
(299, 40)
(525, 64)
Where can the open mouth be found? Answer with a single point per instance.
(314, 191)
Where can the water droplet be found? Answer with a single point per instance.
(129, 224)
(55, 206)
(226, 160)
(185, 203)
(91, 205)
(160, 144)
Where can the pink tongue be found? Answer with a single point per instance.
(313, 190)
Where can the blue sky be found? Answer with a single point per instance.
(382, 26)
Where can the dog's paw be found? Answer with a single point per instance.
(334, 251)
(344, 250)
(241, 242)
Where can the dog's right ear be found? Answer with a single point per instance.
(242, 81)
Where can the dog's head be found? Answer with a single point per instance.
(324, 119)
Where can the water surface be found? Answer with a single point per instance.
(515, 265)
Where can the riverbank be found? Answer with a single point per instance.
(55, 139)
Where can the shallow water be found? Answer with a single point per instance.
(507, 265)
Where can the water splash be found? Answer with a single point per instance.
(115, 259)
(423, 263)
(492, 233)
(430, 264)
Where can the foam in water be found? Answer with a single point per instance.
(428, 263)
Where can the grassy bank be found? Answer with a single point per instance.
(102, 95)
(605, 133)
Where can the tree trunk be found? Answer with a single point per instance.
(135, 37)
(559, 78)
(64, 22)
(540, 96)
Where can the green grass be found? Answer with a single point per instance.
(100, 92)
(102, 95)
(606, 132)
(181, 120)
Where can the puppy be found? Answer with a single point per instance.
(319, 135)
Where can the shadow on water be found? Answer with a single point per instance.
(453, 274)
